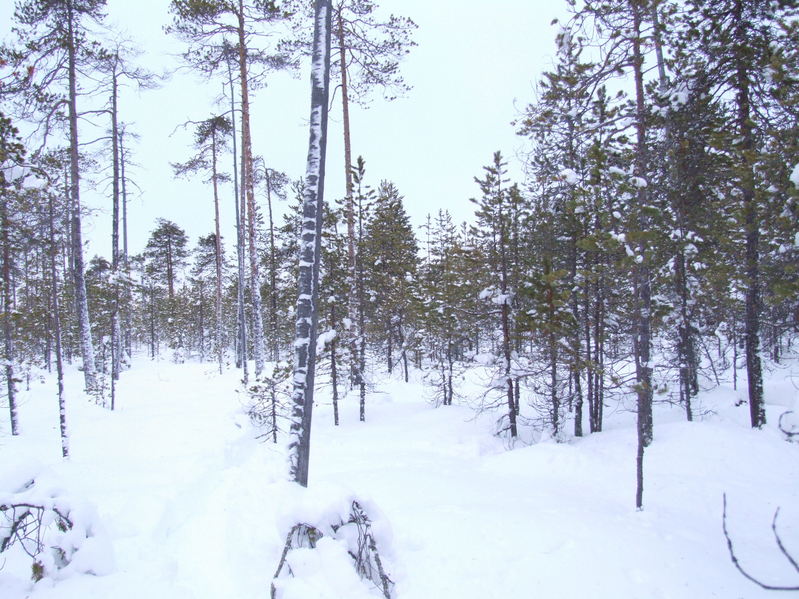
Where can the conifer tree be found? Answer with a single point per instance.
(494, 229)
(366, 54)
(738, 42)
(12, 154)
(390, 255)
(57, 48)
(208, 26)
(165, 254)
(210, 139)
(448, 310)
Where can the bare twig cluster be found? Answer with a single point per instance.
(24, 524)
(777, 539)
(791, 432)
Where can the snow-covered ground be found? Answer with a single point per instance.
(194, 506)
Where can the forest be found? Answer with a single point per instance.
(648, 255)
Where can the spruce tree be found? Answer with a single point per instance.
(390, 255)
(495, 210)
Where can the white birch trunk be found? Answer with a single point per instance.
(310, 242)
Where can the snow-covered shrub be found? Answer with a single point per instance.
(61, 535)
(319, 543)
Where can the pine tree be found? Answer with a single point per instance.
(12, 154)
(207, 27)
(203, 284)
(737, 42)
(210, 140)
(55, 40)
(495, 221)
(165, 254)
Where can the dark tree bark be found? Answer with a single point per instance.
(751, 219)
(641, 274)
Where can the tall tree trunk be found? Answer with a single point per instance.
(333, 366)
(505, 317)
(310, 250)
(641, 274)
(238, 201)
(115, 328)
(8, 328)
(217, 256)
(576, 345)
(81, 300)
(361, 322)
(62, 410)
(686, 353)
(754, 370)
(128, 341)
(274, 334)
(249, 189)
(353, 311)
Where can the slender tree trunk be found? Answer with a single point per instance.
(403, 351)
(361, 322)
(238, 201)
(81, 300)
(751, 222)
(8, 329)
(450, 364)
(552, 342)
(333, 366)
(734, 352)
(353, 300)
(641, 274)
(506, 325)
(272, 276)
(128, 341)
(115, 328)
(685, 343)
(62, 410)
(153, 339)
(249, 190)
(390, 350)
(310, 250)
(577, 361)
(217, 256)
(589, 382)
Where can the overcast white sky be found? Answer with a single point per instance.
(473, 70)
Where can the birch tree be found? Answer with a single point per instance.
(310, 249)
